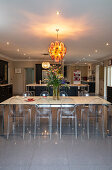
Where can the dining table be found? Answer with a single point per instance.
(66, 101)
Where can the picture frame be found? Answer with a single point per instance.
(17, 70)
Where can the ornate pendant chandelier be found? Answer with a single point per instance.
(57, 50)
(45, 65)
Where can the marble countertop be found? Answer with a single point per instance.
(72, 85)
(79, 100)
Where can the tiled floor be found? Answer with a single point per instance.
(67, 153)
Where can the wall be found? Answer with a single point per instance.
(19, 79)
(71, 69)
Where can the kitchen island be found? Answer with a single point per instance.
(71, 90)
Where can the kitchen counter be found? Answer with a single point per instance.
(71, 90)
(1, 85)
(40, 85)
(91, 85)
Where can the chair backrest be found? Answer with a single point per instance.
(86, 94)
(15, 105)
(43, 106)
(68, 106)
(63, 93)
(29, 93)
(44, 94)
(32, 93)
(96, 107)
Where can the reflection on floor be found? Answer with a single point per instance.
(67, 153)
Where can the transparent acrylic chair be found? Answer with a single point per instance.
(28, 108)
(44, 94)
(94, 112)
(29, 93)
(43, 111)
(62, 94)
(16, 112)
(68, 111)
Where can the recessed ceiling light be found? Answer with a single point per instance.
(18, 50)
(89, 55)
(96, 51)
(24, 54)
(107, 44)
(7, 43)
(85, 63)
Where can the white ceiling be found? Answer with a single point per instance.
(30, 26)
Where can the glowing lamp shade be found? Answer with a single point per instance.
(57, 51)
(45, 65)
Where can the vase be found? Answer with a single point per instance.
(56, 92)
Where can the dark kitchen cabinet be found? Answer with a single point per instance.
(6, 91)
(38, 73)
(3, 72)
(109, 93)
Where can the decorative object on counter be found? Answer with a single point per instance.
(56, 79)
(45, 65)
(57, 50)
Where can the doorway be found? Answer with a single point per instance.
(29, 76)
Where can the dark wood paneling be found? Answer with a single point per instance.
(109, 94)
(3, 72)
(65, 71)
(38, 73)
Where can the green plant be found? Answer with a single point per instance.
(55, 77)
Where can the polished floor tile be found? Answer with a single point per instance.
(68, 153)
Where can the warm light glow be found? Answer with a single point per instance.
(42, 26)
(45, 65)
(18, 50)
(7, 43)
(107, 44)
(57, 51)
(57, 12)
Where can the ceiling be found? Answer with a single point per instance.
(27, 27)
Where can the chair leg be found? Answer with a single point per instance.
(35, 126)
(88, 125)
(30, 116)
(57, 118)
(23, 127)
(72, 123)
(50, 124)
(60, 125)
(76, 126)
(103, 129)
(82, 117)
(69, 122)
(8, 127)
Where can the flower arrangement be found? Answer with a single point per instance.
(56, 79)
